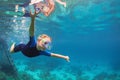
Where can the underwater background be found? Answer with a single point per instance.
(86, 30)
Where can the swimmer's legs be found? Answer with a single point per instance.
(17, 48)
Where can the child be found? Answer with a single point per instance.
(35, 48)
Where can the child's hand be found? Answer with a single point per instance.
(67, 58)
(33, 15)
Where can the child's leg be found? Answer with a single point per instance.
(17, 48)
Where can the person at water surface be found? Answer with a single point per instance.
(44, 6)
(35, 48)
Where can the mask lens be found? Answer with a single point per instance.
(47, 45)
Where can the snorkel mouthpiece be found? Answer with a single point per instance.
(48, 46)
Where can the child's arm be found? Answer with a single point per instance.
(61, 2)
(31, 29)
(60, 56)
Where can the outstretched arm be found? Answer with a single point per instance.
(60, 56)
(31, 29)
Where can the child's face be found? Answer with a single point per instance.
(44, 43)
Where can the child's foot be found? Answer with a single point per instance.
(12, 48)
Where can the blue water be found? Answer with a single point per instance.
(88, 31)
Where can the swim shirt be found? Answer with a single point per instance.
(30, 49)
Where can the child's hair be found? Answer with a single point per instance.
(44, 36)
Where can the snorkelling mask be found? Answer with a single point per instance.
(46, 44)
